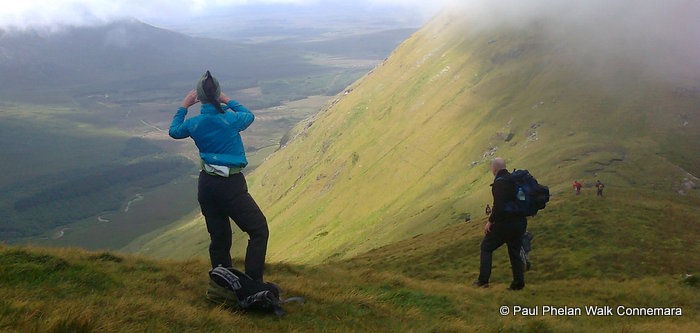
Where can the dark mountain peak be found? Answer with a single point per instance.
(135, 25)
(109, 56)
(116, 30)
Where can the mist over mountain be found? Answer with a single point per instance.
(131, 59)
(657, 38)
(128, 56)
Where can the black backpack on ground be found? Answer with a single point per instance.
(530, 195)
(228, 285)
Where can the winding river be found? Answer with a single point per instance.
(137, 198)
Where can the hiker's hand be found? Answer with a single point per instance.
(190, 99)
(487, 228)
(224, 99)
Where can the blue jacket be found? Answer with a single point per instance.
(216, 134)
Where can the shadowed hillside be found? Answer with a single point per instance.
(84, 112)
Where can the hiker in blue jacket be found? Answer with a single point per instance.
(222, 190)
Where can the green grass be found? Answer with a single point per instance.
(617, 250)
(418, 285)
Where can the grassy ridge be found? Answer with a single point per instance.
(632, 248)
(421, 285)
(625, 236)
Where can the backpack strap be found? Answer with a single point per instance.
(296, 299)
(263, 299)
(225, 278)
(504, 178)
(501, 178)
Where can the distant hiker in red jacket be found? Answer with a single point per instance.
(599, 187)
(577, 187)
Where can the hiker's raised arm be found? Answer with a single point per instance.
(241, 117)
(178, 128)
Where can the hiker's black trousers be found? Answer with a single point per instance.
(510, 233)
(224, 197)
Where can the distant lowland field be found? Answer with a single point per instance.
(84, 116)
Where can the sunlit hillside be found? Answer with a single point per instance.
(405, 150)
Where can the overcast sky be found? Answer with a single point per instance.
(20, 14)
(654, 32)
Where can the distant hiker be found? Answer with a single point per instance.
(525, 249)
(488, 209)
(222, 190)
(599, 188)
(503, 227)
(577, 187)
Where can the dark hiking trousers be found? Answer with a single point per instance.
(526, 243)
(510, 233)
(525, 248)
(221, 198)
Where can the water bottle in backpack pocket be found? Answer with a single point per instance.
(530, 196)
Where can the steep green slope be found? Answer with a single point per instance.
(395, 157)
(405, 150)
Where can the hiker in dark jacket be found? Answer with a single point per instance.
(599, 188)
(502, 228)
(222, 190)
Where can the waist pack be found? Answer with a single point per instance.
(530, 195)
(229, 286)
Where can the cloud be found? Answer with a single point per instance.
(40, 13)
(662, 37)
(648, 32)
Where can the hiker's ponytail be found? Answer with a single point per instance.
(210, 89)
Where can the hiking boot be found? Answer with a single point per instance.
(480, 284)
(515, 287)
